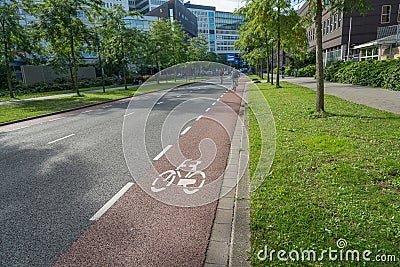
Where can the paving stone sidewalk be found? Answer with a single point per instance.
(378, 98)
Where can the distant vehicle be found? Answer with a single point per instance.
(244, 70)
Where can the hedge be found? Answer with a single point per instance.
(308, 71)
(376, 73)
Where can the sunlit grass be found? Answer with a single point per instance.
(333, 177)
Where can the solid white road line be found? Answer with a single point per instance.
(111, 202)
(65, 137)
(107, 106)
(186, 130)
(199, 117)
(87, 111)
(128, 114)
(208, 109)
(162, 152)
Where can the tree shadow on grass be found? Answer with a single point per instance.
(326, 114)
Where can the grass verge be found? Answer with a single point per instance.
(34, 95)
(336, 177)
(29, 109)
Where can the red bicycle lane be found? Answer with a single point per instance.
(142, 228)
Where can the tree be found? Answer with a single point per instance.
(178, 44)
(279, 18)
(118, 41)
(13, 36)
(167, 43)
(197, 50)
(267, 22)
(316, 8)
(61, 25)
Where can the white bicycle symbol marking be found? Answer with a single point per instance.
(165, 179)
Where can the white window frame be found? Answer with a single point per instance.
(386, 14)
(398, 15)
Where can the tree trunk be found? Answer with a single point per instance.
(123, 61)
(262, 72)
(272, 64)
(75, 67)
(6, 52)
(10, 88)
(71, 73)
(278, 48)
(102, 72)
(268, 70)
(320, 107)
(124, 73)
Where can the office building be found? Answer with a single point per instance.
(110, 3)
(205, 22)
(344, 34)
(145, 6)
(227, 32)
(221, 29)
(175, 10)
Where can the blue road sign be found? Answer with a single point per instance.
(236, 61)
(230, 57)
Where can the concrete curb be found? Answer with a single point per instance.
(86, 106)
(230, 236)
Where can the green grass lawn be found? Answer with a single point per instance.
(33, 95)
(334, 177)
(20, 111)
(25, 110)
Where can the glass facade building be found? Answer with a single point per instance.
(221, 29)
(205, 23)
(227, 32)
(145, 6)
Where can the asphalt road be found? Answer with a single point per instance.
(56, 174)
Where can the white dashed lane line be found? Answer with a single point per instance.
(162, 152)
(107, 106)
(87, 111)
(208, 109)
(128, 114)
(62, 138)
(199, 117)
(213, 103)
(111, 202)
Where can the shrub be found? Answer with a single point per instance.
(289, 71)
(376, 73)
(391, 76)
(308, 71)
(330, 72)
